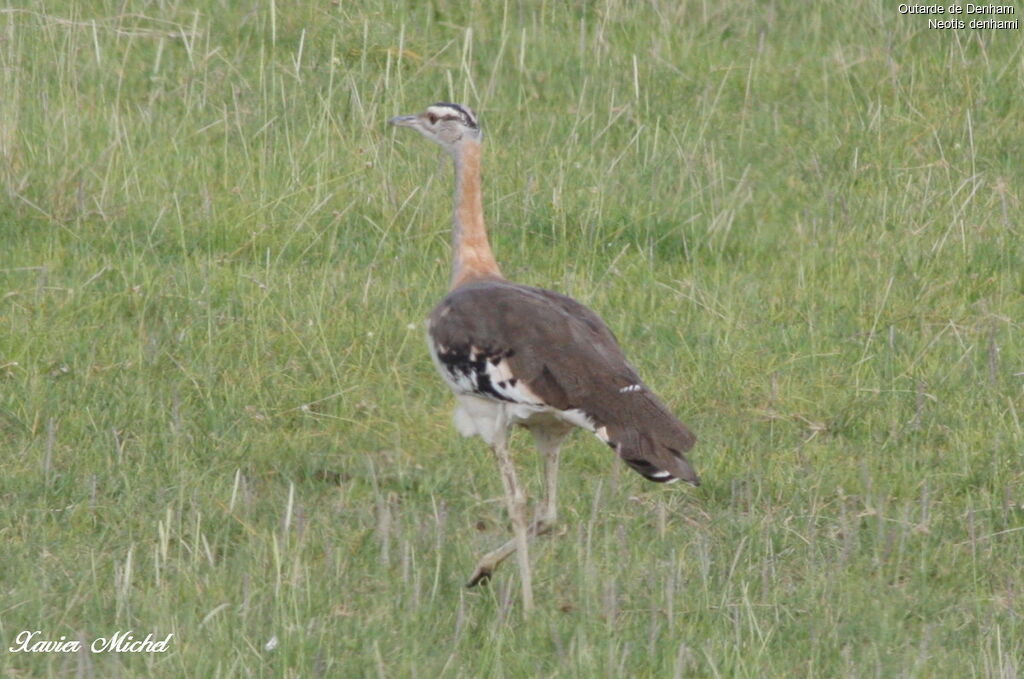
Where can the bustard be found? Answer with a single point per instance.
(515, 354)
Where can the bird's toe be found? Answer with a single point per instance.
(481, 576)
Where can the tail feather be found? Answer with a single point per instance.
(651, 440)
(652, 457)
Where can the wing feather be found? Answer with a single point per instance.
(567, 358)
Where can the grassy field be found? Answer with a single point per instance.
(218, 418)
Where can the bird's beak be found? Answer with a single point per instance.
(403, 121)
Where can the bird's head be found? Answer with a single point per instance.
(449, 125)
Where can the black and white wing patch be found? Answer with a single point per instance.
(469, 369)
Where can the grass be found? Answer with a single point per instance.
(219, 420)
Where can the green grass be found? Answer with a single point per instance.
(218, 418)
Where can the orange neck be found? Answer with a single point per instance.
(471, 252)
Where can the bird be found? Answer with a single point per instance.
(520, 355)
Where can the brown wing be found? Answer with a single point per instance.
(568, 358)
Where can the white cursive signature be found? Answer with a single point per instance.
(30, 641)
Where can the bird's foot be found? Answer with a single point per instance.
(481, 576)
(490, 561)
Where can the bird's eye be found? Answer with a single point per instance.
(432, 118)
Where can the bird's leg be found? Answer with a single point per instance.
(548, 443)
(516, 502)
(547, 514)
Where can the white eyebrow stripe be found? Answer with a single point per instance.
(446, 111)
(443, 112)
(631, 389)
